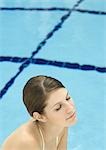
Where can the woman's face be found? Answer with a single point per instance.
(60, 109)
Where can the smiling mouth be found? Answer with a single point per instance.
(73, 115)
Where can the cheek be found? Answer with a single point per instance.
(52, 116)
(62, 114)
(57, 116)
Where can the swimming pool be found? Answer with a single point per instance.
(64, 39)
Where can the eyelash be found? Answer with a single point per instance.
(67, 99)
(59, 108)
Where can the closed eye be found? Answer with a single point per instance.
(59, 107)
(67, 99)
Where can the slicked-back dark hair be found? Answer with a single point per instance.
(36, 91)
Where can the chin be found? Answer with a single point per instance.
(72, 122)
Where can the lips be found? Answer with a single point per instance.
(71, 116)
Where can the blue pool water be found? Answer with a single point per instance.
(66, 40)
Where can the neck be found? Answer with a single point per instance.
(49, 130)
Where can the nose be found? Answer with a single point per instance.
(69, 107)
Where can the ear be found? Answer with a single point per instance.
(39, 117)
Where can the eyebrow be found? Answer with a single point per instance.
(60, 101)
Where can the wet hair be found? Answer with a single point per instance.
(36, 92)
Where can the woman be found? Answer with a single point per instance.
(52, 112)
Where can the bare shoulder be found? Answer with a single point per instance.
(20, 144)
(21, 139)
